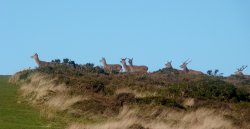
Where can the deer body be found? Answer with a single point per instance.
(110, 67)
(137, 69)
(39, 62)
(188, 71)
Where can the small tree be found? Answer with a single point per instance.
(72, 63)
(57, 61)
(209, 72)
(215, 73)
(66, 61)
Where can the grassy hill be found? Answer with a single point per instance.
(16, 115)
(89, 98)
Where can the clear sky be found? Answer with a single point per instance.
(215, 34)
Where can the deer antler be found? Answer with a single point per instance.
(129, 58)
(243, 67)
(187, 61)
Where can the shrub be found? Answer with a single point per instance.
(95, 86)
(125, 98)
(242, 94)
(66, 60)
(158, 101)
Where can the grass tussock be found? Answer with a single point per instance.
(40, 90)
(129, 119)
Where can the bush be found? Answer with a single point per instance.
(242, 94)
(209, 88)
(95, 86)
(158, 101)
(66, 60)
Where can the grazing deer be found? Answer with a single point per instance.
(186, 70)
(240, 70)
(110, 67)
(137, 69)
(39, 63)
(169, 65)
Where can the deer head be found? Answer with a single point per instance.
(130, 61)
(103, 60)
(123, 60)
(169, 64)
(240, 70)
(185, 63)
(35, 56)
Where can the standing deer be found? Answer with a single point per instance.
(39, 62)
(188, 71)
(137, 69)
(169, 65)
(126, 67)
(110, 67)
(240, 70)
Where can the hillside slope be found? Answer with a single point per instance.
(159, 100)
(16, 115)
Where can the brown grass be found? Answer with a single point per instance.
(198, 119)
(189, 102)
(41, 90)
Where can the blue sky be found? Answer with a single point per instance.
(215, 34)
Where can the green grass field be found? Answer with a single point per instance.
(14, 115)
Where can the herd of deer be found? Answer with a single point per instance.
(138, 69)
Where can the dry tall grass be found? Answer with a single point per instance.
(198, 119)
(41, 90)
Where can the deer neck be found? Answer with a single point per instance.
(37, 61)
(125, 66)
(104, 63)
(169, 67)
(185, 69)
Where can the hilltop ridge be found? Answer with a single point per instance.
(158, 100)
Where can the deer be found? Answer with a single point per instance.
(169, 65)
(126, 67)
(110, 67)
(240, 70)
(186, 70)
(38, 61)
(137, 69)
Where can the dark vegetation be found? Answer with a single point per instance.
(214, 73)
(165, 82)
(165, 87)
